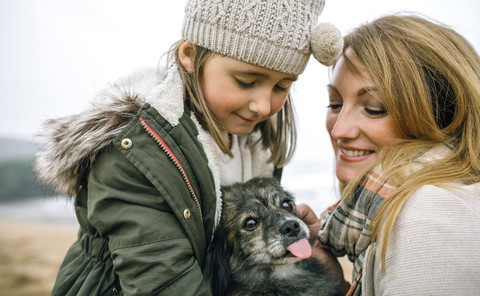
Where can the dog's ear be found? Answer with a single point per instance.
(216, 269)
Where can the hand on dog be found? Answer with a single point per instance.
(310, 218)
(320, 252)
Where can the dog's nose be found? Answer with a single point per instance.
(290, 228)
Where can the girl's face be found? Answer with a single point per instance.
(359, 127)
(241, 94)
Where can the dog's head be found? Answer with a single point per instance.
(260, 228)
(260, 222)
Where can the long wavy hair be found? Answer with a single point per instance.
(428, 77)
(278, 133)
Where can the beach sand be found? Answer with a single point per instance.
(31, 254)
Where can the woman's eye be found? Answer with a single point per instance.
(335, 107)
(250, 224)
(376, 112)
(288, 205)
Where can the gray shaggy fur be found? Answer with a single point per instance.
(73, 142)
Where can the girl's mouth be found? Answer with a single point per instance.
(249, 120)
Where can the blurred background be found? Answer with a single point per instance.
(55, 54)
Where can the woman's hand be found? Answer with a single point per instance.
(320, 252)
(310, 218)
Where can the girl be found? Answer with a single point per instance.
(403, 119)
(145, 163)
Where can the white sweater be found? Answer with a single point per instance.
(434, 248)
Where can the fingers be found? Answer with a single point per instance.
(310, 218)
(307, 214)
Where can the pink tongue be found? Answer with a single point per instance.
(301, 249)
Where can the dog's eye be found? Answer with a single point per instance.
(287, 205)
(250, 224)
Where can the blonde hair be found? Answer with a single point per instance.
(278, 132)
(428, 78)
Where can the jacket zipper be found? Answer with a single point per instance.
(175, 161)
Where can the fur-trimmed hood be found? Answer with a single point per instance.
(71, 143)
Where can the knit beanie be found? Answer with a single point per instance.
(276, 34)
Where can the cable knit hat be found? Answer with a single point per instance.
(276, 34)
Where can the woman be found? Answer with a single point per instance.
(404, 118)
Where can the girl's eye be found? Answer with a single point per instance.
(244, 84)
(282, 88)
(250, 224)
(288, 205)
(376, 112)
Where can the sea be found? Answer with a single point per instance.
(45, 209)
(307, 183)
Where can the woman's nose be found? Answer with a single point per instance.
(346, 126)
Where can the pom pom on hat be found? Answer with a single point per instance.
(326, 43)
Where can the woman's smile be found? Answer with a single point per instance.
(354, 154)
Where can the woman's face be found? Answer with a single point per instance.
(359, 127)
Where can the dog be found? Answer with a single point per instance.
(261, 246)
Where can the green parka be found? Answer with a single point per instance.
(146, 183)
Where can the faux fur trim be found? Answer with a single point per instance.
(167, 97)
(212, 151)
(72, 143)
(259, 157)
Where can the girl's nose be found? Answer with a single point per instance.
(261, 104)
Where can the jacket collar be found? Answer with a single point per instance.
(70, 144)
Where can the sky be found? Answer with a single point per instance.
(54, 55)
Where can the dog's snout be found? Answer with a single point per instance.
(290, 228)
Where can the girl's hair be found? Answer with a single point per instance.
(278, 133)
(428, 78)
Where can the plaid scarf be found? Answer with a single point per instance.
(347, 229)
